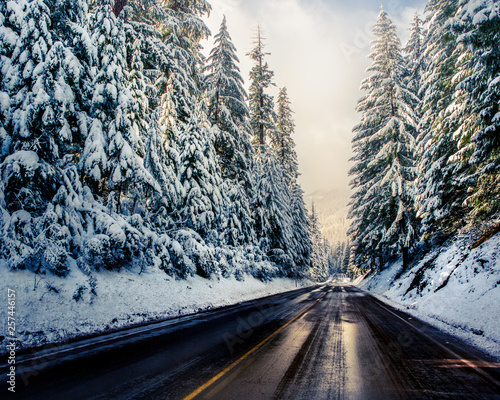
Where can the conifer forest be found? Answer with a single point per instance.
(426, 152)
(122, 146)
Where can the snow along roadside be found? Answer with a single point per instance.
(453, 288)
(60, 309)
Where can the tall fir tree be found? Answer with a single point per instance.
(282, 138)
(346, 259)
(182, 85)
(45, 70)
(184, 121)
(319, 262)
(227, 107)
(283, 144)
(157, 162)
(228, 112)
(441, 192)
(414, 56)
(302, 246)
(271, 209)
(201, 205)
(9, 34)
(147, 50)
(384, 171)
(115, 170)
(271, 200)
(262, 115)
(478, 23)
(44, 81)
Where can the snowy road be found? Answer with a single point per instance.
(328, 342)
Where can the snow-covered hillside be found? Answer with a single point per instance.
(53, 309)
(455, 288)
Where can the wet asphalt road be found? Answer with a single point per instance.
(328, 342)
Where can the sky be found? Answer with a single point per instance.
(319, 51)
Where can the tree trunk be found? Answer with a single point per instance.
(406, 258)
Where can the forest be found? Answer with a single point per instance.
(427, 149)
(122, 146)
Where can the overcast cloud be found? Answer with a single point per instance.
(318, 51)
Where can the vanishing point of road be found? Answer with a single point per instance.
(332, 341)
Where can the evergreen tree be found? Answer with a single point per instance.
(181, 86)
(240, 223)
(478, 24)
(282, 141)
(261, 104)
(147, 52)
(227, 108)
(302, 246)
(271, 203)
(228, 111)
(158, 163)
(319, 267)
(42, 80)
(116, 166)
(9, 34)
(382, 205)
(284, 149)
(441, 193)
(45, 68)
(201, 206)
(271, 210)
(414, 56)
(138, 85)
(346, 260)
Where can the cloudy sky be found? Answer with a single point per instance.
(318, 51)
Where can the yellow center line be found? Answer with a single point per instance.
(249, 353)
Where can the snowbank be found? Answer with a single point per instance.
(453, 288)
(54, 309)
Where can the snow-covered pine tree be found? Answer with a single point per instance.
(228, 112)
(145, 30)
(282, 137)
(319, 262)
(414, 57)
(478, 24)
(381, 208)
(9, 33)
(271, 211)
(202, 203)
(159, 164)
(238, 214)
(42, 80)
(284, 148)
(227, 108)
(45, 77)
(271, 202)
(112, 165)
(339, 256)
(30, 51)
(302, 246)
(262, 115)
(329, 259)
(441, 190)
(190, 137)
(138, 85)
(183, 29)
(346, 259)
